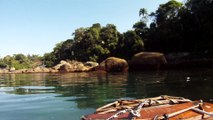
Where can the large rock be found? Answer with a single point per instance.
(147, 61)
(113, 64)
(63, 66)
(91, 64)
(57, 67)
(38, 69)
(66, 67)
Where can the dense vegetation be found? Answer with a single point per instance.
(173, 28)
(181, 28)
(20, 61)
(96, 43)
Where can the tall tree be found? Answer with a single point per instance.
(143, 12)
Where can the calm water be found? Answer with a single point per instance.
(69, 96)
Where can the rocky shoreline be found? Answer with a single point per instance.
(63, 66)
(139, 62)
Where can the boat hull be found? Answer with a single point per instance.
(180, 111)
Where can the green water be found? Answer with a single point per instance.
(69, 96)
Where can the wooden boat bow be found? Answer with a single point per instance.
(157, 108)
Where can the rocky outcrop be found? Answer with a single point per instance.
(38, 70)
(113, 64)
(33, 70)
(91, 64)
(147, 61)
(63, 66)
(4, 71)
(74, 66)
(20, 71)
(57, 67)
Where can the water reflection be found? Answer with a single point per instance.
(98, 87)
(91, 90)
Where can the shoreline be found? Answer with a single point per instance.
(171, 65)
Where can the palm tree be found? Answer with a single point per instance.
(143, 12)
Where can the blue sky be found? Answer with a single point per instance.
(35, 26)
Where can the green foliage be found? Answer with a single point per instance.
(20, 61)
(179, 28)
(95, 43)
(2, 64)
(167, 11)
(109, 40)
(141, 29)
(49, 59)
(130, 44)
(174, 27)
(143, 12)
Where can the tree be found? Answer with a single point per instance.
(167, 12)
(164, 33)
(141, 29)
(143, 12)
(109, 39)
(20, 57)
(131, 44)
(201, 12)
(49, 59)
(2, 64)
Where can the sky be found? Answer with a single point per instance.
(35, 26)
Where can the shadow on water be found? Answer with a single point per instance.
(194, 84)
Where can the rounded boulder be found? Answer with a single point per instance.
(113, 64)
(147, 61)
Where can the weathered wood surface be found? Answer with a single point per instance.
(177, 111)
(125, 104)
